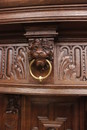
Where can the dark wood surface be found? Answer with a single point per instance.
(37, 112)
(17, 3)
(50, 13)
(22, 43)
(43, 30)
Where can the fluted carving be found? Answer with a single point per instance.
(13, 62)
(72, 62)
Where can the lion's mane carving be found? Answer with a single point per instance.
(40, 50)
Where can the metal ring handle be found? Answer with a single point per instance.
(40, 78)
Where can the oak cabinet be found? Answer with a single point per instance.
(43, 65)
(41, 112)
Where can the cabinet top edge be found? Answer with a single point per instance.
(22, 3)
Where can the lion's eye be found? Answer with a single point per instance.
(44, 47)
(35, 47)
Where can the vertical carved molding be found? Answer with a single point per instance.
(12, 113)
(1, 55)
(9, 61)
(3, 62)
(20, 64)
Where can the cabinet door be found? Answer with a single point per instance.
(42, 113)
(53, 113)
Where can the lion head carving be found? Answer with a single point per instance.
(40, 50)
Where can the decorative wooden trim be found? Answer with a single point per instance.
(45, 123)
(71, 91)
(12, 113)
(51, 13)
(18, 3)
(13, 62)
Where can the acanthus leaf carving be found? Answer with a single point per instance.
(19, 65)
(13, 62)
(72, 62)
(68, 69)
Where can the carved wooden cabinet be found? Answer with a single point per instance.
(43, 65)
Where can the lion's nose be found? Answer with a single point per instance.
(39, 51)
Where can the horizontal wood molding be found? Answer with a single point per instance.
(18, 3)
(26, 90)
(51, 13)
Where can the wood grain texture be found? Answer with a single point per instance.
(44, 29)
(11, 115)
(15, 3)
(71, 62)
(35, 14)
(37, 112)
(13, 63)
(68, 46)
(54, 113)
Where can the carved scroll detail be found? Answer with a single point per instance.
(12, 113)
(19, 65)
(67, 68)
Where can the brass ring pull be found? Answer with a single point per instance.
(40, 78)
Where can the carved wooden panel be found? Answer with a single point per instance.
(51, 113)
(40, 50)
(10, 112)
(42, 113)
(11, 116)
(13, 63)
(45, 123)
(71, 62)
